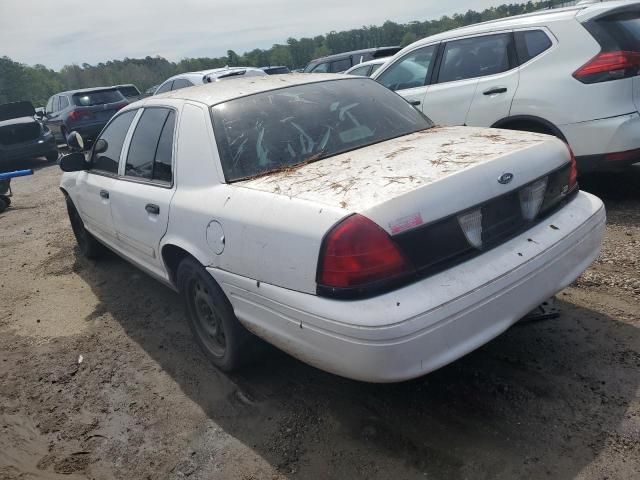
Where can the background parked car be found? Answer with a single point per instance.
(22, 135)
(189, 79)
(130, 92)
(275, 70)
(341, 62)
(86, 111)
(366, 69)
(572, 73)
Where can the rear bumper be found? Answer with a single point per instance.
(416, 329)
(89, 132)
(41, 146)
(592, 142)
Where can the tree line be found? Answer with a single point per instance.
(37, 83)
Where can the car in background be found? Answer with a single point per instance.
(326, 215)
(130, 92)
(341, 62)
(151, 90)
(366, 69)
(190, 79)
(570, 72)
(86, 111)
(22, 134)
(275, 70)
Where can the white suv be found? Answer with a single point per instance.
(569, 72)
(190, 79)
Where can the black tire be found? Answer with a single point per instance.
(89, 246)
(3, 205)
(52, 156)
(6, 200)
(224, 341)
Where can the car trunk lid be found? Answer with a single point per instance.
(417, 179)
(19, 130)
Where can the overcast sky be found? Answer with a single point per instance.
(61, 32)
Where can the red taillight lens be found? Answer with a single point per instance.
(357, 253)
(609, 66)
(76, 115)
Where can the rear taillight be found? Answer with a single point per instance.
(357, 253)
(608, 66)
(77, 115)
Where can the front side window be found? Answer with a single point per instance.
(411, 71)
(272, 130)
(165, 87)
(181, 83)
(341, 65)
(475, 57)
(360, 71)
(530, 44)
(114, 135)
(321, 68)
(151, 146)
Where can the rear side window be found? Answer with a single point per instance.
(410, 71)
(530, 44)
(114, 134)
(129, 91)
(150, 151)
(475, 57)
(181, 83)
(101, 97)
(64, 103)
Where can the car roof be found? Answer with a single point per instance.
(352, 52)
(213, 72)
(539, 17)
(375, 61)
(214, 93)
(87, 90)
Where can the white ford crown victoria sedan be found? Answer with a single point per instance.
(329, 217)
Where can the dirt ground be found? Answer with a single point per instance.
(99, 378)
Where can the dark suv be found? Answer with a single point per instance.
(86, 111)
(22, 136)
(341, 62)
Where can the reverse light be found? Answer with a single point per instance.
(357, 253)
(609, 66)
(471, 224)
(531, 198)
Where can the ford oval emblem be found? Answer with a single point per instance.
(505, 178)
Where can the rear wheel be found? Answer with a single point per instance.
(225, 342)
(52, 156)
(3, 204)
(63, 132)
(89, 246)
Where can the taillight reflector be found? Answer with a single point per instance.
(357, 253)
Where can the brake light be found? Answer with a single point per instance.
(358, 253)
(76, 115)
(609, 66)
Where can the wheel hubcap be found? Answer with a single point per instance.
(208, 320)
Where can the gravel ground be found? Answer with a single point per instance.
(99, 378)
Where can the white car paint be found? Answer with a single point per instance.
(377, 62)
(209, 76)
(593, 118)
(273, 226)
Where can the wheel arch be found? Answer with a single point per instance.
(520, 122)
(173, 252)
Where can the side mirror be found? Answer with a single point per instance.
(100, 146)
(73, 162)
(75, 141)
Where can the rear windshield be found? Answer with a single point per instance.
(278, 129)
(620, 31)
(99, 97)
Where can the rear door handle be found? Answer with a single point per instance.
(152, 209)
(104, 194)
(415, 103)
(494, 91)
